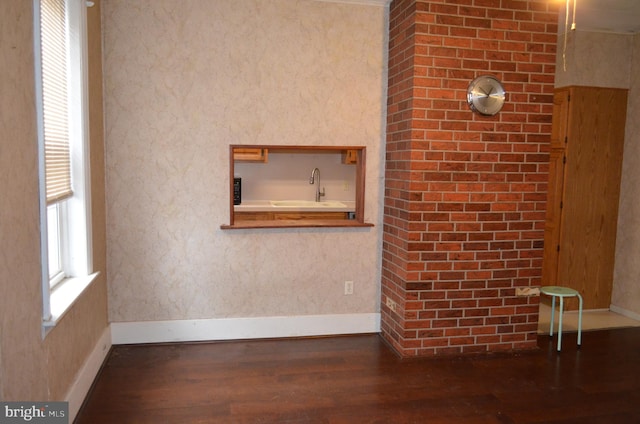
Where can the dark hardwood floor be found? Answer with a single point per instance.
(358, 379)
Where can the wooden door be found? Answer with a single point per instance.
(553, 217)
(560, 118)
(595, 131)
(555, 188)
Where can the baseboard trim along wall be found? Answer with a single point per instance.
(87, 374)
(242, 328)
(624, 312)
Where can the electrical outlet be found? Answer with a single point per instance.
(348, 287)
(345, 185)
(391, 304)
(527, 291)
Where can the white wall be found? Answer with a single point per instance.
(184, 79)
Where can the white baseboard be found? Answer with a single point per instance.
(87, 374)
(243, 328)
(624, 312)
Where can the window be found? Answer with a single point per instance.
(60, 40)
(54, 243)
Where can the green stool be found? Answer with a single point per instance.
(562, 292)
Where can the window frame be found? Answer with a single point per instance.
(75, 211)
(55, 215)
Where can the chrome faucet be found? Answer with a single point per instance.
(315, 174)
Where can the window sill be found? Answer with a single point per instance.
(64, 295)
(303, 223)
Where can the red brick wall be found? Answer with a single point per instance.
(465, 195)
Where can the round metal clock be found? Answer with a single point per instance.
(486, 95)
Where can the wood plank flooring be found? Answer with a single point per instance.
(358, 379)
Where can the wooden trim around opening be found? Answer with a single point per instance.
(301, 223)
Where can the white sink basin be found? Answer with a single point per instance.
(306, 204)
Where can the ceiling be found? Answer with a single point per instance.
(621, 16)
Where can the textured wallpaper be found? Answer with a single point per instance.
(23, 370)
(594, 59)
(32, 368)
(183, 80)
(626, 278)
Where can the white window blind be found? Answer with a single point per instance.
(54, 42)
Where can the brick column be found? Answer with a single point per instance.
(465, 195)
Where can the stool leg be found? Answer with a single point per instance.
(553, 310)
(560, 323)
(580, 322)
